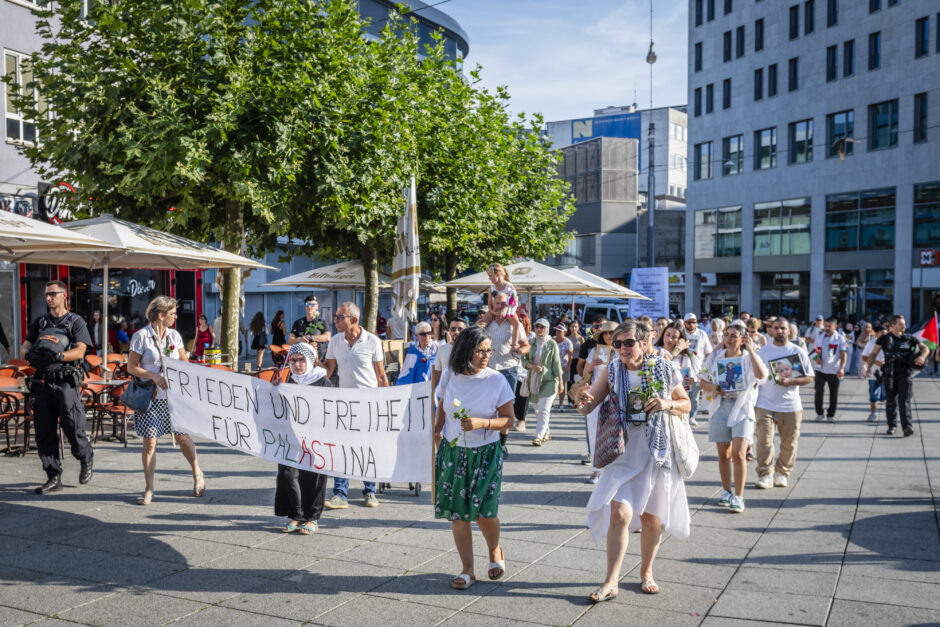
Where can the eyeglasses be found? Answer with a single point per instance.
(311, 304)
(629, 343)
(423, 333)
(54, 294)
(595, 326)
(456, 329)
(484, 352)
(340, 317)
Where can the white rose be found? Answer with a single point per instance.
(456, 404)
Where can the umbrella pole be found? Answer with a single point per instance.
(104, 315)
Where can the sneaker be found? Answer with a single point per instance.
(371, 501)
(337, 502)
(820, 418)
(764, 482)
(872, 417)
(780, 481)
(737, 504)
(891, 430)
(908, 432)
(594, 478)
(831, 418)
(520, 426)
(693, 422)
(725, 499)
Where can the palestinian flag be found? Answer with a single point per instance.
(928, 335)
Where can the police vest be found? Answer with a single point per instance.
(56, 335)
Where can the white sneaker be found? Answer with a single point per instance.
(736, 505)
(764, 482)
(780, 481)
(725, 499)
(693, 422)
(872, 417)
(520, 426)
(820, 418)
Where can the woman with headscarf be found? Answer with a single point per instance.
(419, 357)
(300, 493)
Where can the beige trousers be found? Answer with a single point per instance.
(788, 426)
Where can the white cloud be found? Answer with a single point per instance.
(566, 58)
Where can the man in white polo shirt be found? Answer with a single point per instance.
(778, 405)
(829, 357)
(357, 356)
(701, 346)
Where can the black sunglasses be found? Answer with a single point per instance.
(423, 333)
(629, 343)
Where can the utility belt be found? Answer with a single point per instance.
(66, 374)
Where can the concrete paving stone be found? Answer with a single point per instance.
(810, 583)
(725, 537)
(674, 597)
(778, 606)
(204, 585)
(714, 516)
(214, 616)
(322, 544)
(794, 558)
(590, 559)
(131, 608)
(470, 619)
(49, 595)
(360, 528)
(344, 576)
(290, 600)
(434, 535)
(363, 610)
(895, 548)
(616, 612)
(247, 536)
(863, 614)
(723, 621)
(877, 567)
(888, 592)
(11, 616)
(681, 571)
(692, 551)
(433, 588)
(819, 514)
(262, 563)
(391, 555)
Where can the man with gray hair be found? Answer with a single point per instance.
(358, 357)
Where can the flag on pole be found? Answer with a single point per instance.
(928, 335)
(406, 264)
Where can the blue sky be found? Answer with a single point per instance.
(564, 58)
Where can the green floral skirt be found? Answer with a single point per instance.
(468, 482)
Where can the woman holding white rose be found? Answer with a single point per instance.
(476, 402)
(642, 487)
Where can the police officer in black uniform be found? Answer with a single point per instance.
(903, 353)
(55, 345)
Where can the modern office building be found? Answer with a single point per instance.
(814, 184)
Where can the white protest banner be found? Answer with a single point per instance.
(654, 284)
(381, 434)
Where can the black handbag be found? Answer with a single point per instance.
(139, 394)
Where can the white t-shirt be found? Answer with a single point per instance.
(700, 344)
(443, 357)
(866, 352)
(146, 344)
(481, 394)
(356, 364)
(813, 332)
(773, 396)
(606, 353)
(564, 351)
(829, 348)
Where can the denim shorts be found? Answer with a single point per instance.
(718, 429)
(876, 391)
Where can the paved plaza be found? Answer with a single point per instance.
(852, 541)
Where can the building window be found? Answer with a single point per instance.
(782, 227)
(709, 98)
(739, 42)
(883, 125)
(728, 8)
(772, 80)
(732, 155)
(698, 57)
(840, 128)
(832, 13)
(848, 58)
(581, 251)
(758, 83)
(920, 117)
(794, 21)
(892, 3)
(726, 46)
(697, 102)
(921, 37)
(759, 35)
(801, 141)
(860, 220)
(703, 161)
(17, 70)
(784, 294)
(726, 94)
(809, 16)
(927, 214)
(794, 74)
(718, 233)
(698, 12)
(765, 148)
(711, 10)
(874, 51)
(832, 63)
(874, 5)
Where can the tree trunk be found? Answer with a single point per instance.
(231, 279)
(370, 306)
(450, 273)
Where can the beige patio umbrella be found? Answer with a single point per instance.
(537, 278)
(339, 276)
(28, 240)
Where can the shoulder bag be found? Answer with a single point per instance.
(685, 451)
(611, 440)
(140, 392)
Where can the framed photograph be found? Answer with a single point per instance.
(603, 352)
(635, 412)
(789, 367)
(686, 372)
(731, 375)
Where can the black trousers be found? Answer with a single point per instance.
(822, 380)
(55, 405)
(299, 494)
(898, 389)
(521, 405)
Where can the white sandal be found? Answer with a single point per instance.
(499, 565)
(462, 581)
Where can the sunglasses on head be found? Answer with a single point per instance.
(629, 343)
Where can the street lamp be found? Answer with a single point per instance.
(651, 182)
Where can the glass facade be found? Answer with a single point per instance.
(718, 233)
(765, 149)
(801, 141)
(860, 220)
(782, 227)
(840, 126)
(927, 215)
(862, 294)
(784, 294)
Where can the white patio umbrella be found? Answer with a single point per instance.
(138, 246)
(28, 240)
(604, 284)
(339, 276)
(537, 278)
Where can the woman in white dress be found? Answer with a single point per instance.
(596, 359)
(641, 488)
